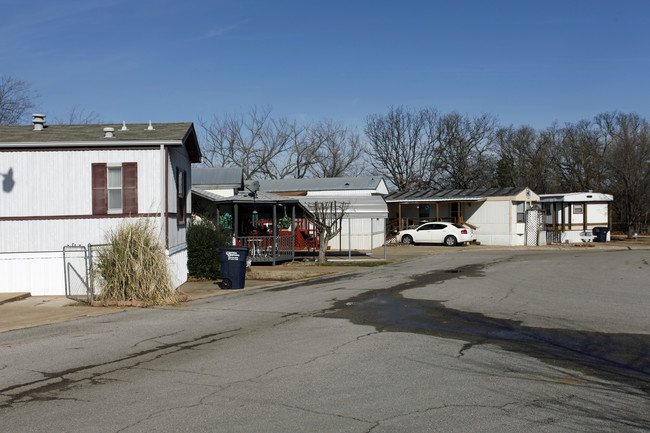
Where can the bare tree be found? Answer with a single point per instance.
(339, 151)
(276, 148)
(79, 116)
(401, 153)
(253, 142)
(626, 142)
(464, 150)
(523, 159)
(16, 99)
(327, 216)
(578, 157)
(302, 151)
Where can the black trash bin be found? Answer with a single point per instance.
(600, 234)
(233, 267)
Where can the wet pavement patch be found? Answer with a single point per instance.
(624, 358)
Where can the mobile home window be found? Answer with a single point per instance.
(181, 193)
(115, 188)
(577, 208)
(521, 214)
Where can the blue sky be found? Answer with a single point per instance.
(525, 62)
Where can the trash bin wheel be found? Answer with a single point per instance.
(226, 284)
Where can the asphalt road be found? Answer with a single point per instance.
(508, 341)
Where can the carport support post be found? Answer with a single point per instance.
(349, 238)
(275, 232)
(385, 240)
(399, 216)
(293, 231)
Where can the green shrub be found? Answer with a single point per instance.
(133, 266)
(203, 239)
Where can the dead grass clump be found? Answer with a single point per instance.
(133, 266)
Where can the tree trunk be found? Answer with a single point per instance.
(323, 239)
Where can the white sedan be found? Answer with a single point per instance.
(437, 233)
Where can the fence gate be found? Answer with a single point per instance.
(534, 225)
(76, 270)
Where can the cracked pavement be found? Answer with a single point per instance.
(379, 350)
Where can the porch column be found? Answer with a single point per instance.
(236, 221)
(584, 216)
(570, 215)
(437, 211)
(554, 219)
(562, 216)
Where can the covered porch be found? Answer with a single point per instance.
(265, 223)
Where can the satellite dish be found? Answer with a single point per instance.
(254, 186)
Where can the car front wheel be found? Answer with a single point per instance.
(450, 241)
(407, 239)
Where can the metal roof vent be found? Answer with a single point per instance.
(124, 128)
(150, 128)
(109, 132)
(38, 121)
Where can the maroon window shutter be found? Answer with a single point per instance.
(130, 188)
(100, 191)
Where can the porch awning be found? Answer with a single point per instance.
(246, 198)
(370, 206)
(455, 195)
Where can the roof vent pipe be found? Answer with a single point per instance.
(150, 128)
(109, 132)
(124, 128)
(38, 121)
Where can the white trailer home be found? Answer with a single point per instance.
(572, 217)
(70, 184)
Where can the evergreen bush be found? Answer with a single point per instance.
(203, 239)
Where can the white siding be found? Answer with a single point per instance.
(57, 183)
(41, 274)
(356, 234)
(493, 219)
(177, 266)
(597, 213)
(338, 193)
(228, 192)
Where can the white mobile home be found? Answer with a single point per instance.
(497, 215)
(574, 216)
(70, 184)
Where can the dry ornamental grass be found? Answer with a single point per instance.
(133, 266)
